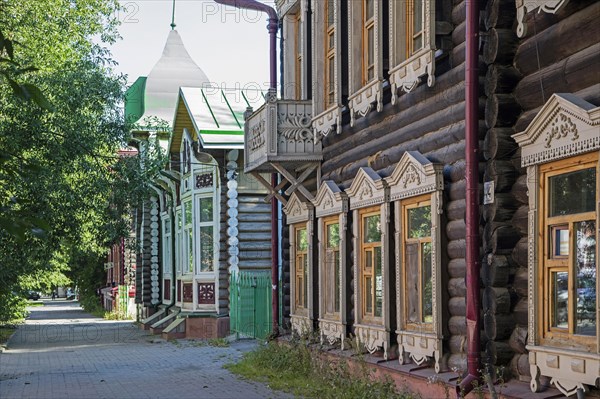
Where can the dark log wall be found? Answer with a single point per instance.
(517, 76)
(559, 54)
(429, 120)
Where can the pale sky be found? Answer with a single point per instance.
(231, 46)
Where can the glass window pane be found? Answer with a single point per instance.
(337, 276)
(427, 294)
(560, 241)
(369, 295)
(417, 43)
(299, 293)
(412, 282)
(378, 283)
(305, 287)
(190, 240)
(369, 9)
(585, 234)
(418, 17)
(372, 229)
(330, 271)
(368, 259)
(560, 299)
(419, 222)
(179, 220)
(333, 235)
(301, 240)
(206, 209)
(188, 212)
(206, 249)
(330, 9)
(573, 192)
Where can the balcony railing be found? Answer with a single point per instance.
(280, 133)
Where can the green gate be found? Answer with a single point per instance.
(250, 304)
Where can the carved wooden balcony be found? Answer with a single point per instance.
(279, 139)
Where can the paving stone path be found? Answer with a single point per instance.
(62, 352)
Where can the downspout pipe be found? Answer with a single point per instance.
(272, 28)
(472, 198)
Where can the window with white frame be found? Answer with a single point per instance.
(188, 237)
(412, 44)
(206, 229)
(178, 241)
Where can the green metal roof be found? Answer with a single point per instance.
(214, 115)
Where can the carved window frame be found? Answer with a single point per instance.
(566, 127)
(369, 190)
(416, 179)
(406, 70)
(331, 206)
(300, 214)
(363, 94)
(326, 117)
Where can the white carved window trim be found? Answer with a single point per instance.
(406, 72)
(368, 189)
(331, 203)
(364, 95)
(526, 6)
(566, 126)
(325, 119)
(415, 177)
(300, 211)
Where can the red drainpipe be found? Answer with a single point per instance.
(472, 198)
(272, 27)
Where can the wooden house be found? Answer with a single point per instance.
(373, 106)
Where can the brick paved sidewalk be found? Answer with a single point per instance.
(63, 352)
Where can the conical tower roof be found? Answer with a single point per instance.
(174, 69)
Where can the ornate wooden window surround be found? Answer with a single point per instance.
(300, 217)
(412, 44)
(560, 149)
(331, 207)
(326, 67)
(167, 258)
(365, 21)
(369, 202)
(416, 185)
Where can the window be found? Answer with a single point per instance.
(417, 260)
(188, 237)
(332, 265)
(179, 241)
(205, 226)
(568, 224)
(368, 46)
(371, 263)
(301, 267)
(414, 27)
(330, 49)
(167, 246)
(411, 44)
(298, 56)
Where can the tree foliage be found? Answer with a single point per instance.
(64, 191)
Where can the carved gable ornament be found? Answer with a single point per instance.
(565, 126)
(414, 175)
(330, 200)
(367, 188)
(298, 209)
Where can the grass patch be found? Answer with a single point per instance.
(5, 333)
(35, 304)
(218, 342)
(294, 369)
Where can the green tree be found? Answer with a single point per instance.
(64, 192)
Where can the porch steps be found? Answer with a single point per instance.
(159, 326)
(175, 330)
(147, 322)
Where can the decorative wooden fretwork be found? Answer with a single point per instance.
(204, 180)
(188, 292)
(206, 293)
(526, 6)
